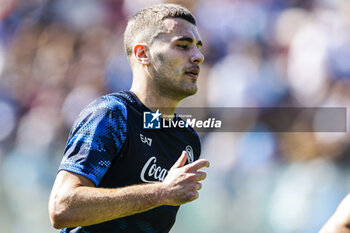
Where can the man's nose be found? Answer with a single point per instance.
(197, 57)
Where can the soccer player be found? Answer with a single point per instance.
(115, 175)
(340, 221)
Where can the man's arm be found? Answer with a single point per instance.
(340, 220)
(75, 201)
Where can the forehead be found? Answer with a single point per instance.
(175, 27)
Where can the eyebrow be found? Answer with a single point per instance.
(190, 40)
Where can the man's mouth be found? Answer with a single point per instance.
(193, 72)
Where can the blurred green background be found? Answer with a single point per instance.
(58, 56)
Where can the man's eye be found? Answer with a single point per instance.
(183, 46)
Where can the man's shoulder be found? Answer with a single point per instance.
(111, 106)
(110, 103)
(188, 127)
(194, 134)
(189, 135)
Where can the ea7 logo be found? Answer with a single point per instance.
(146, 140)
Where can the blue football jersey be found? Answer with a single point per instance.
(109, 145)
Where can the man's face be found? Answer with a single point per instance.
(175, 57)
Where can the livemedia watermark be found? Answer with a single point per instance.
(330, 119)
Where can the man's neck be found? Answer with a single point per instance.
(154, 101)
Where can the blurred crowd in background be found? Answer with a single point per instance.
(58, 56)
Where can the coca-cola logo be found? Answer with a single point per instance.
(151, 172)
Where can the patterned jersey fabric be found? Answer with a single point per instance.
(109, 146)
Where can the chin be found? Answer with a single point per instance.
(179, 92)
(194, 91)
(190, 90)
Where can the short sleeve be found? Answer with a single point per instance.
(96, 138)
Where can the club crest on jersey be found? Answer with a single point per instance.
(151, 120)
(190, 155)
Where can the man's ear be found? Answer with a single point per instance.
(141, 53)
